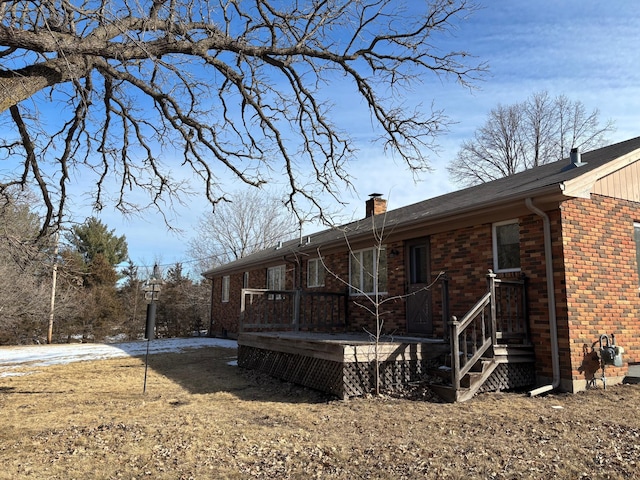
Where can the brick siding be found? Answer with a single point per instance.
(601, 279)
(595, 278)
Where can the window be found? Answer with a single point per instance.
(315, 273)
(225, 288)
(636, 236)
(506, 246)
(245, 280)
(276, 278)
(364, 268)
(418, 267)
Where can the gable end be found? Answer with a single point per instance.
(623, 184)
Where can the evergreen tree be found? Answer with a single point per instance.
(96, 250)
(92, 238)
(130, 295)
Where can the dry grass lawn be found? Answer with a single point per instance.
(201, 418)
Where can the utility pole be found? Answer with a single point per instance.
(53, 287)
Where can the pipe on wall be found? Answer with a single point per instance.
(553, 322)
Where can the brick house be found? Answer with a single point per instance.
(568, 230)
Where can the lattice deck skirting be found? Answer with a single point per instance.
(508, 376)
(319, 374)
(351, 379)
(341, 379)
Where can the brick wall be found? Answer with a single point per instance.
(595, 280)
(533, 264)
(602, 280)
(392, 312)
(466, 257)
(225, 316)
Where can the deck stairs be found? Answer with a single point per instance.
(492, 335)
(478, 373)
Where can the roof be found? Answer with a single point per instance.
(557, 180)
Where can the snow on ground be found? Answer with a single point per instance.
(15, 357)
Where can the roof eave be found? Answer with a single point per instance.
(582, 185)
(548, 194)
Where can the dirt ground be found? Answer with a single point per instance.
(202, 418)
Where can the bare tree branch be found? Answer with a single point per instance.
(524, 135)
(239, 89)
(247, 222)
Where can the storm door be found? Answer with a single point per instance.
(419, 316)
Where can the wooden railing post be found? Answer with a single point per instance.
(455, 353)
(296, 310)
(242, 310)
(445, 305)
(491, 279)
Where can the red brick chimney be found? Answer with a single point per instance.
(375, 205)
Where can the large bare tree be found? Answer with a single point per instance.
(249, 222)
(520, 136)
(111, 88)
(24, 288)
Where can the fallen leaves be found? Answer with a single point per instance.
(261, 428)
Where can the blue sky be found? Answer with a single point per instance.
(587, 50)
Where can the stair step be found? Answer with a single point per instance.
(443, 372)
(449, 394)
(479, 372)
(513, 354)
(481, 365)
(512, 349)
(471, 379)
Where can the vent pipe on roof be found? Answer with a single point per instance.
(576, 158)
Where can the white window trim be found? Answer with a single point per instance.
(356, 290)
(319, 268)
(226, 281)
(494, 241)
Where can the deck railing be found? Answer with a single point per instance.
(510, 309)
(498, 317)
(471, 337)
(292, 310)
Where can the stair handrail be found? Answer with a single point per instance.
(458, 327)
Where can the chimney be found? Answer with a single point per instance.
(576, 159)
(375, 205)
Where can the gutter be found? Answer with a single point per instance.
(553, 323)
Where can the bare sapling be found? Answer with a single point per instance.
(372, 300)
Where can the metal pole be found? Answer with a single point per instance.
(150, 327)
(146, 367)
(149, 333)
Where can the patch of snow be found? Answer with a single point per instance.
(44, 355)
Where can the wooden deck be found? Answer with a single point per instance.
(487, 349)
(339, 364)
